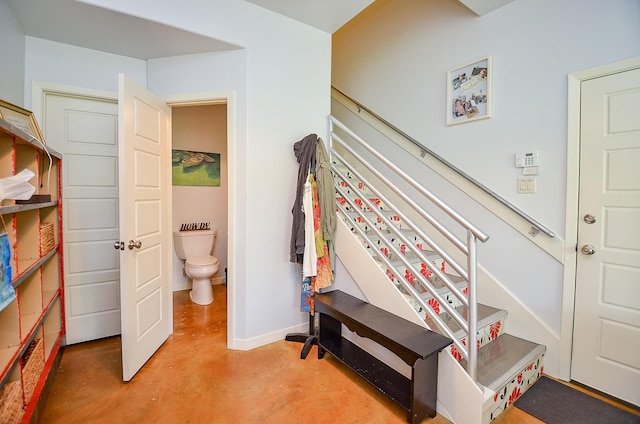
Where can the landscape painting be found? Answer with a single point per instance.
(191, 168)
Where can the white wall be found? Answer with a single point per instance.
(12, 54)
(201, 129)
(64, 64)
(394, 58)
(284, 96)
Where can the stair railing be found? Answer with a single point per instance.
(468, 272)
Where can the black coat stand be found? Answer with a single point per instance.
(309, 339)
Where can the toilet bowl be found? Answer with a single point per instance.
(195, 248)
(200, 269)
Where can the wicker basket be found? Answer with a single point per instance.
(32, 366)
(47, 237)
(11, 403)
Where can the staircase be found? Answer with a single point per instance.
(411, 261)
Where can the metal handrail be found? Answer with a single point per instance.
(468, 325)
(534, 222)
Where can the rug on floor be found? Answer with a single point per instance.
(556, 403)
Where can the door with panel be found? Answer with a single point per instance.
(607, 304)
(85, 130)
(145, 243)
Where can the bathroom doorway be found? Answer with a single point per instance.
(87, 289)
(201, 128)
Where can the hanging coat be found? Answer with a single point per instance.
(326, 192)
(305, 151)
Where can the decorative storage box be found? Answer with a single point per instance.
(47, 237)
(11, 403)
(32, 366)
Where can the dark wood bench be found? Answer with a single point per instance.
(417, 346)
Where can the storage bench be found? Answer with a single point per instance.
(417, 346)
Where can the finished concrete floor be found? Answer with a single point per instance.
(194, 378)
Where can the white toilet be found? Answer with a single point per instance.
(195, 248)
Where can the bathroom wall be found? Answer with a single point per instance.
(203, 129)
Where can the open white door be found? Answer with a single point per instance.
(145, 224)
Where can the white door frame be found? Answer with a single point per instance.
(209, 98)
(39, 88)
(571, 206)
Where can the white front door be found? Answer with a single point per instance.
(145, 224)
(85, 131)
(606, 346)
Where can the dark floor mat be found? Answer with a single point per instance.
(556, 403)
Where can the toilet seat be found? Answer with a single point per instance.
(204, 260)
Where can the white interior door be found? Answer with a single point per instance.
(145, 224)
(85, 131)
(606, 347)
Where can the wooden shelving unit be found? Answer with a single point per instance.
(31, 326)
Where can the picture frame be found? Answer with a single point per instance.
(194, 168)
(21, 118)
(469, 92)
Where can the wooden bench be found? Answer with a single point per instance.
(417, 346)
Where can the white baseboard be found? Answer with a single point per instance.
(265, 339)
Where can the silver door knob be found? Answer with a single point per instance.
(136, 244)
(118, 245)
(588, 249)
(589, 219)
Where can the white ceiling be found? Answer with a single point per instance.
(83, 25)
(326, 15)
(80, 24)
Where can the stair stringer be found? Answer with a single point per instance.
(460, 399)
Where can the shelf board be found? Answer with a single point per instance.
(27, 138)
(37, 322)
(34, 267)
(387, 380)
(4, 210)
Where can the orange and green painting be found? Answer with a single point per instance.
(191, 168)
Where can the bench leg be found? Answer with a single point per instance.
(424, 388)
(329, 328)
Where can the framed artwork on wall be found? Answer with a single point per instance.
(21, 118)
(469, 92)
(191, 168)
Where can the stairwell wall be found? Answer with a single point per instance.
(393, 58)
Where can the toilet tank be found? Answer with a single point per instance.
(189, 244)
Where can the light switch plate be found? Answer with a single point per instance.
(527, 185)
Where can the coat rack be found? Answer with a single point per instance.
(309, 339)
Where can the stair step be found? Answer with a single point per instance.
(487, 316)
(502, 360)
(361, 188)
(490, 326)
(373, 219)
(361, 205)
(395, 240)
